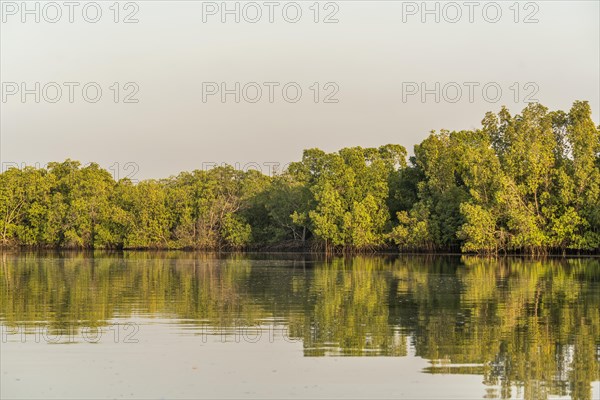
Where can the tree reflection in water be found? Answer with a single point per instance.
(527, 324)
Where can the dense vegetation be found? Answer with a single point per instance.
(524, 183)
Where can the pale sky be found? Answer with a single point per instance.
(375, 53)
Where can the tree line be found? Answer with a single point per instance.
(525, 183)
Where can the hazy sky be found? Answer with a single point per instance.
(372, 61)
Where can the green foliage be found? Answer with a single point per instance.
(349, 207)
(279, 212)
(235, 232)
(479, 229)
(523, 183)
(24, 205)
(413, 231)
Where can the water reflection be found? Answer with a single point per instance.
(532, 325)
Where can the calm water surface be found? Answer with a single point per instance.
(188, 325)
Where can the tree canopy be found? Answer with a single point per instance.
(523, 183)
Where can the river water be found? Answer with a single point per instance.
(188, 325)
